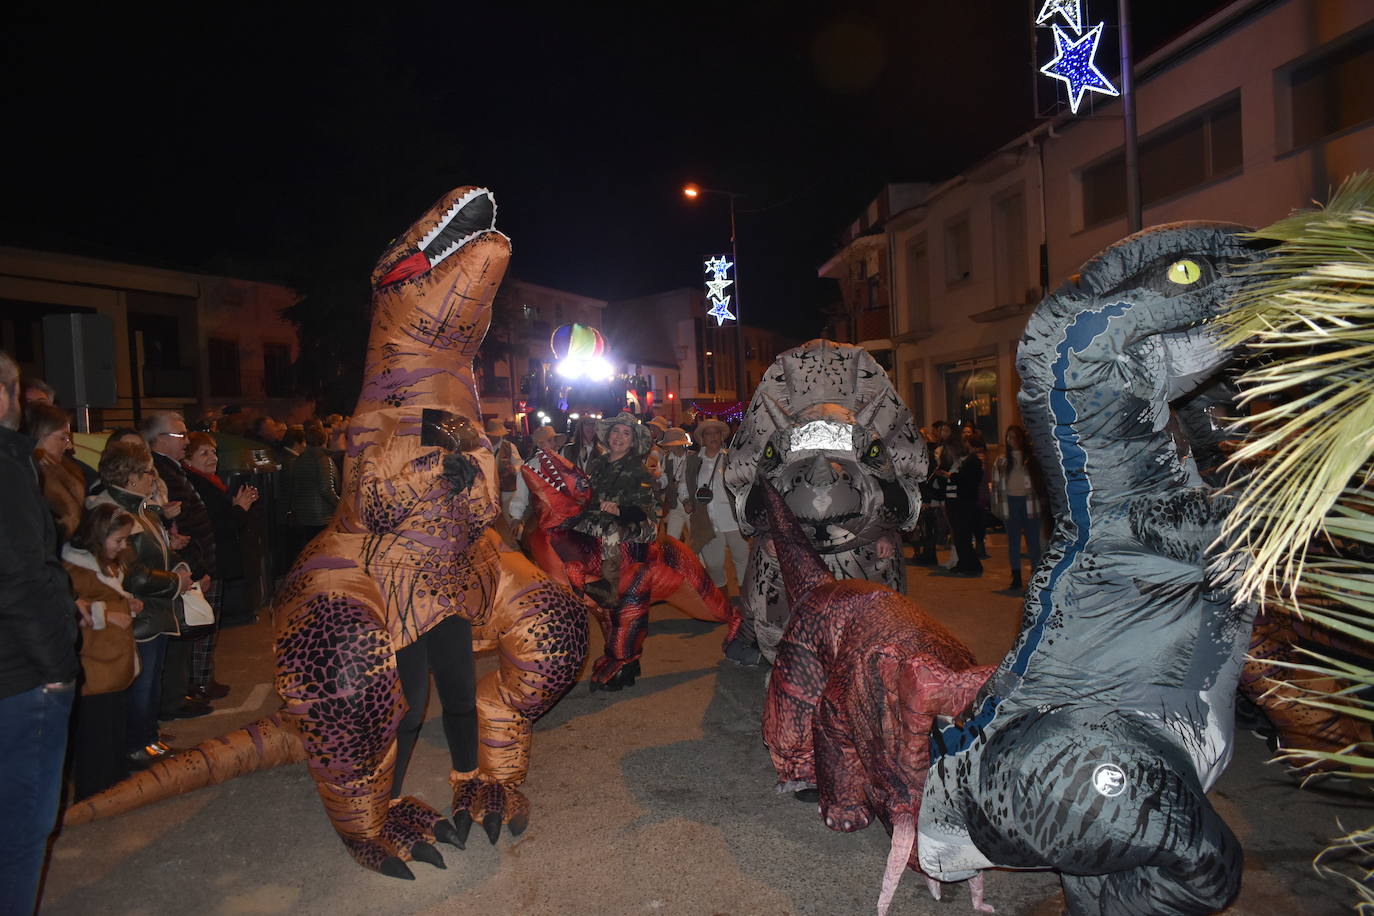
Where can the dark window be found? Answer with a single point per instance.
(958, 251)
(1333, 92)
(276, 370)
(1193, 150)
(224, 367)
(874, 294)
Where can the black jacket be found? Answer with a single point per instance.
(38, 632)
(148, 560)
(313, 488)
(194, 520)
(228, 521)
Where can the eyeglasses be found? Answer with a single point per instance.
(174, 435)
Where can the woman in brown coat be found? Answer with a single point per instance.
(64, 486)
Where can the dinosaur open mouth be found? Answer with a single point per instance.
(820, 527)
(547, 471)
(470, 216)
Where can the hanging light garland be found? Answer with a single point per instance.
(730, 413)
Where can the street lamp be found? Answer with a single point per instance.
(692, 192)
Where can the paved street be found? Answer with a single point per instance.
(657, 799)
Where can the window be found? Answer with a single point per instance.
(917, 286)
(917, 404)
(874, 297)
(958, 251)
(1332, 92)
(1009, 248)
(276, 370)
(971, 395)
(224, 367)
(1195, 149)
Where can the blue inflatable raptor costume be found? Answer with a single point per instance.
(1090, 749)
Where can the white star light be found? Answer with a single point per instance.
(720, 310)
(1069, 9)
(719, 266)
(715, 289)
(1074, 64)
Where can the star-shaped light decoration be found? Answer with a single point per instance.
(1069, 9)
(1073, 63)
(715, 289)
(719, 267)
(720, 310)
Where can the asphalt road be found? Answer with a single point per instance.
(658, 799)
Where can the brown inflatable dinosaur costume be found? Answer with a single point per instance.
(407, 548)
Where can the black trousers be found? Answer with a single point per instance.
(961, 526)
(446, 652)
(97, 744)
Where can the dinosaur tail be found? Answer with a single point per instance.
(802, 568)
(263, 745)
(903, 841)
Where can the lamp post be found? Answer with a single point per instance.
(692, 192)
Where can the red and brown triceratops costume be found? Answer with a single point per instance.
(860, 674)
(408, 546)
(663, 570)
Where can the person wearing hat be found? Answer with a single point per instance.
(674, 445)
(655, 459)
(711, 513)
(507, 462)
(622, 508)
(543, 437)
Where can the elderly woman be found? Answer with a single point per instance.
(228, 515)
(622, 509)
(64, 485)
(153, 575)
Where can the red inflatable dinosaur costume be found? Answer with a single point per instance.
(408, 547)
(664, 570)
(860, 675)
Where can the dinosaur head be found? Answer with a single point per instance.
(826, 429)
(559, 488)
(431, 305)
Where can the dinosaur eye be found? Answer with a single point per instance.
(769, 452)
(875, 450)
(1184, 272)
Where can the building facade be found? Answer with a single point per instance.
(1259, 110)
(180, 340)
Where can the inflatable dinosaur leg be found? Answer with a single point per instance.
(696, 595)
(629, 620)
(336, 672)
(539, 628)
(1112, 805)
(264, 744)
(839, 771)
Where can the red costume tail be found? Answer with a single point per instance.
(802, 568)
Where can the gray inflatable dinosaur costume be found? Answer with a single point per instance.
(1090, 749)
(825, 427)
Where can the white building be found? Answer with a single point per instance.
(1259, 110)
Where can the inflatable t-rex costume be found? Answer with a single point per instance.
(825, 428)
(860, 674)
(407, 547)
(662, 570)
(1090, 749)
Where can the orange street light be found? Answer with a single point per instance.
(691, 190)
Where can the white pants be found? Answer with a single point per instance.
(675, 523)
(713, 556)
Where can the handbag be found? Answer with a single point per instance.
(195, 608)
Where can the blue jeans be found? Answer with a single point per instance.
(144, 695)
(33, 743)
(1017, 525)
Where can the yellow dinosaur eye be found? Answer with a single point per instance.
(874, 450)
(768, 452)
(1184, 272)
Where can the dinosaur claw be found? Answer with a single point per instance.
(518, 824)
(424, 852)
(393, 867)
(492, 825)
(462, 825)
(444, 832)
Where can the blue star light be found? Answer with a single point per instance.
(720, 310)
(1073, 63)
(719, 266)
(1069, 9)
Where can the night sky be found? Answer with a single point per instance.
(290, 141)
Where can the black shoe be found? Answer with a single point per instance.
(743, 653)
(204, 693)
(925, 559)
(191, 708)
(967, 571)
(1015, 582)
(809, 794)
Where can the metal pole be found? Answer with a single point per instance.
(1133, 217)
(740, 393)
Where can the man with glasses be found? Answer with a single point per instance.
(38, 660)
(188, 675)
